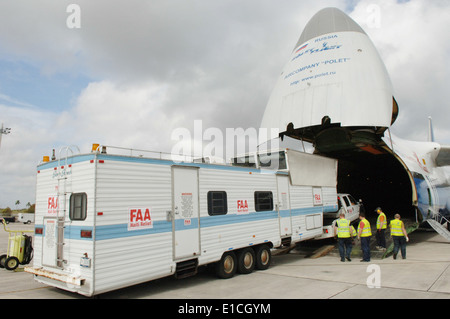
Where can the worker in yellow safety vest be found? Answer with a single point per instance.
(399, 236)
(344, 233)
(381, 229)
(364, 234)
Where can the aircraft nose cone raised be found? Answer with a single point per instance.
(328, 20)
(334, 77)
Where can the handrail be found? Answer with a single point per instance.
(67, 149)
(438, 217)
(14, 231)
(176, 157)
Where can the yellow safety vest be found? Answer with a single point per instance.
(354, 233)
(343, 228)
(366, 231)
(396, 227)
(379, 222)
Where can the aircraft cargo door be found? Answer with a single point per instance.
(186, 235)
(284, 206)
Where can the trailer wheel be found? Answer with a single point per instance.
(11, 263)
(226, 267)
(263, 257)
(2, 261)
(246, 261)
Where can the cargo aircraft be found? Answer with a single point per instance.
(335, 93)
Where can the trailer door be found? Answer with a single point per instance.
(186, 233)
(284, 206)
(52, 242)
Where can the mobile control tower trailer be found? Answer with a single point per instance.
(105, 221)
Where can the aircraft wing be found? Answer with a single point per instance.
(443, 158)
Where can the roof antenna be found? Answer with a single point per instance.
(430, 130)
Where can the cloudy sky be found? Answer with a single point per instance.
(128, 73)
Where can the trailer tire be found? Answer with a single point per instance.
(11, 263)
(263, 257)
(226, 267)
(2, 261)
(246, 260)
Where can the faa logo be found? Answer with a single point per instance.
(140, 218)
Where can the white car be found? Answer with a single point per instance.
(346, 203)
(350, 206)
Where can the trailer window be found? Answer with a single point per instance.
(78, 206)
(217, 203)
(263, 201)
(245, 161)
(275, 161)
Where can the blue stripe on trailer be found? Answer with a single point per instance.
(88, 157)
(105, 232)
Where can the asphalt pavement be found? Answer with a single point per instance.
(424, 274)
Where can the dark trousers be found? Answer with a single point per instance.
(399, 243)
(345, 247)
(365, 246)
(381, 239)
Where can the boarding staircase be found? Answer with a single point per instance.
(440, 224)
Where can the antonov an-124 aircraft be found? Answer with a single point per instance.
(335, 93)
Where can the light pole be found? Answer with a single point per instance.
(4, 131)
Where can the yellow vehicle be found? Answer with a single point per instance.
(20, 249)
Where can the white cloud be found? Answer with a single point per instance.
(413, 41)
(104, 113)
(121, 115)
(22, 149)
(14, 101)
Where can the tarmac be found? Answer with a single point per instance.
(297, 274)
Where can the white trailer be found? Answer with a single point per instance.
(26, 218)
(105, 221)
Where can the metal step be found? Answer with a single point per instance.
(439, 228)
(286, 242)
(186, 268)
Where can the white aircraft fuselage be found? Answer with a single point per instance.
(335, 92)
